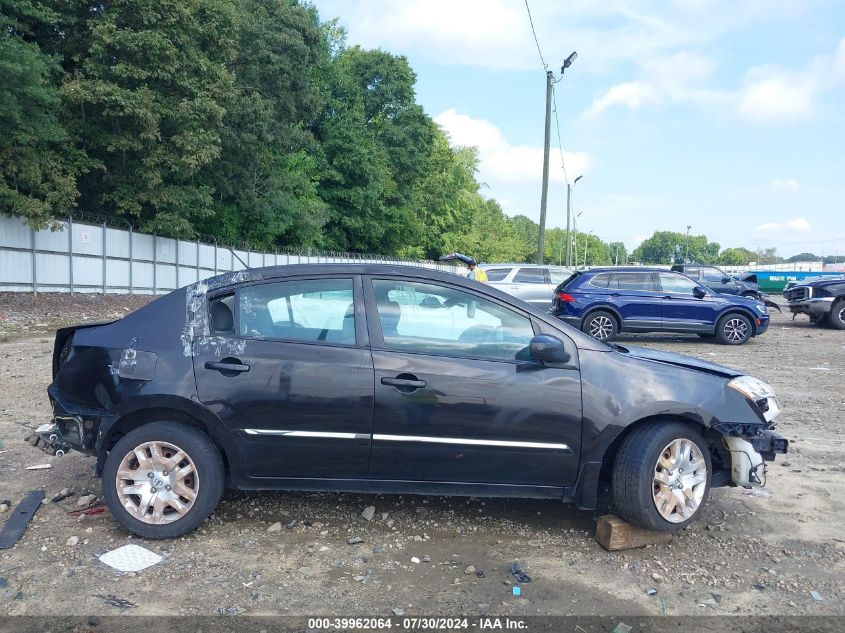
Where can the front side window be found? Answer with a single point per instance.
(676, 284)
(312, 310)
(497, 274)
(633, 281)
(433, 319)
(530, 276)
(713, 274)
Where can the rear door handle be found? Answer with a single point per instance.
(403, 382)
(221, 366)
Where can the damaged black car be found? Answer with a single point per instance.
(393, 379)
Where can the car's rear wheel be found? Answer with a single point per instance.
(734, 329)
(837, 314)
(661, 476)
(163, 479)
(600, 325)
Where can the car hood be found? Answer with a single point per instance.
(678, 360)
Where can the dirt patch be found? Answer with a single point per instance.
(759, 553)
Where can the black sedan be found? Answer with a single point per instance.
(392, 379)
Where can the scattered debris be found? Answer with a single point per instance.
(415, 560)
(130, 558)
(97, 509)
(621, 628)
(230, 610)
(73, 541)
(516, 572)
(359, 578)
(369, 512)
(354, 540)
(86, 500)
(379, 549)
(64, 494)
(16, 524)
(757, 492)
(516, 591)
(656, 577)
(40, 467)
(398, 611)
(3, 583)
(5, 505)
(276, 527)
(114, 601)
(651, 591)
(470, 569)
(815, 595)
(479, 573)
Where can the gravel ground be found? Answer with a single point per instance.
(284, 553)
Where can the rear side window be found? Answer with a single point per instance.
(634, 281)
(312, 310)
(497, 274)
(530, 276)
(601, 280)
(558, 275)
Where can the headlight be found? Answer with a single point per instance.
(760, 393)
(761, 308)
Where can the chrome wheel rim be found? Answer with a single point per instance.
(601, 327)
(157, 482)
(736, 330)
(842, 315)
(680, 480)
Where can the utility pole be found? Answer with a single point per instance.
(686, 254)
(550, 80)
(568, 216)
(550, 83)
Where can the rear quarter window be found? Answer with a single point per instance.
(497, 274)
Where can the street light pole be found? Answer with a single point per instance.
(568, 215)
(550, 80)
(686, 254)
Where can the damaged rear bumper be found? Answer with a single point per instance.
(76, 426)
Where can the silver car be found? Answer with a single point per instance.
(530, 282)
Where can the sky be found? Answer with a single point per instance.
(726, 115)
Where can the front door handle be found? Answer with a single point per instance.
(233, 365)
(404, 384)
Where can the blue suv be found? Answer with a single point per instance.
(605, 301)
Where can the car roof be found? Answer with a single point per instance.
(516, 265)
(627, 269)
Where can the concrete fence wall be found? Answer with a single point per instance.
(85, 257)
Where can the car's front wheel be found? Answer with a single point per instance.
(600, 325)
(734, 329)
(837, 315)
(163, 479)
(661, 476)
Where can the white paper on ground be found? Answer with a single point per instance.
(130, 558)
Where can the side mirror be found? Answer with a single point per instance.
(699, 292)
(726, 280)
(548, 349)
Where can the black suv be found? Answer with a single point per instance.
(823, 300)
(718, 280)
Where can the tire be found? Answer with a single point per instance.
(634, 487)
(734, 329)
(601, 325)
(204, 482)
(836, 318)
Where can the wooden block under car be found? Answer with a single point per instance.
(614, 534)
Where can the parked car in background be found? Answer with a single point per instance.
(719, 281)
(532, 283)
(605, 301)
(822, 299)
(807, 280)
(378, 378)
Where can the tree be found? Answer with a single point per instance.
(804, 257)
(736, 257)
(147, 99)
(37, 165)
(619, 253)
(667, 247)
(768, 256)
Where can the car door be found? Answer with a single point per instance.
(714, 278)
(453, 402)
(637, 299)
(287, 368)
(532, 285)
(682, 310)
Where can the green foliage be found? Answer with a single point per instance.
(737, 257)
(768, 256)
(804, 257)
(37, 168)
(668, 247)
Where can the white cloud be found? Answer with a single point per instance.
(503, 162)
(771, 93)
(783, 229)
(784, 184)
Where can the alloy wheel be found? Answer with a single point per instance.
(157, 482)
(601, 327)
(736, 330)
(680, 480)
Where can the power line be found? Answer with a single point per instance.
(536, 41)
(559, 143)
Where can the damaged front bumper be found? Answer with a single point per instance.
(814, 307)
(750, 454)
